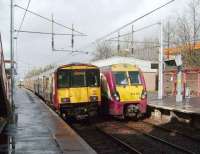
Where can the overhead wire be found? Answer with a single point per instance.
(22, 21)
(47, 19)
(17, 35)
(47, 33)
(137, 30)
(146, 14)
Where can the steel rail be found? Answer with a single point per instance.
(163, 141)
(172, 131)
(117, 140)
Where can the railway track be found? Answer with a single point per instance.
(172, 138)
(145, 142)
(117, 140)
(110, 143)
(102, 142)
(173, 131)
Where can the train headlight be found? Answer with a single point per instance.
(65, 100)
(93, 98)
(116, 96)
(144, 94)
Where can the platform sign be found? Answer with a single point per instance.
(177, 61)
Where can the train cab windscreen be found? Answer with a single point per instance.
(63, 79)
(134, 77)
(121, 78)
(93, 78)
(78, 78)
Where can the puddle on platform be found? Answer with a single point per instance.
(7, 144)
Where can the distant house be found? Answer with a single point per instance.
(149, 68)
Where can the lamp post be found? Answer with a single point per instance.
(160, 80)
(12, 52)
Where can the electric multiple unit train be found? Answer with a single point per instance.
(123, 91)
(73, 90)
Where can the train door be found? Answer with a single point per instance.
(93, 85)
(78, 87)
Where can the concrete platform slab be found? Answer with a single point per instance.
(36, 129)
(169, 103)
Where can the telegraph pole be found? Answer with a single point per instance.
(12, 51)
(132, 39)
(52, 35)
(160, 80)
(72, 40)
(118, 43)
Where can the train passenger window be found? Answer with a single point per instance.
(78, 78)
(63, 79)
(134, 77)
(121, 78)
(92, 78)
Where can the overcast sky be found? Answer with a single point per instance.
(93, 17)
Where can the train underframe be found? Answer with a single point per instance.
(132, 110)
(124, 110)
(79, 110)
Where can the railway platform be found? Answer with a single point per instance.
(169, 103)
(187, 110)
(35, 128)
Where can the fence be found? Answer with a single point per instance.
(190, 78)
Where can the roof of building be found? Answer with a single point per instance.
(144, 65)
(175, 50)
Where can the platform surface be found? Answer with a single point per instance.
(190, 107)
(35, 129)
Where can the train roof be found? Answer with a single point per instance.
(121, 67)
(51, 71)
(144, 65)
(76, 64)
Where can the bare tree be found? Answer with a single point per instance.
(40, 70)
(194, 8)
(188, 31)
(103, 50)
(184, 32)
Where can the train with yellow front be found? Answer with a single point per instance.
(123, 91)
(73, 90)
